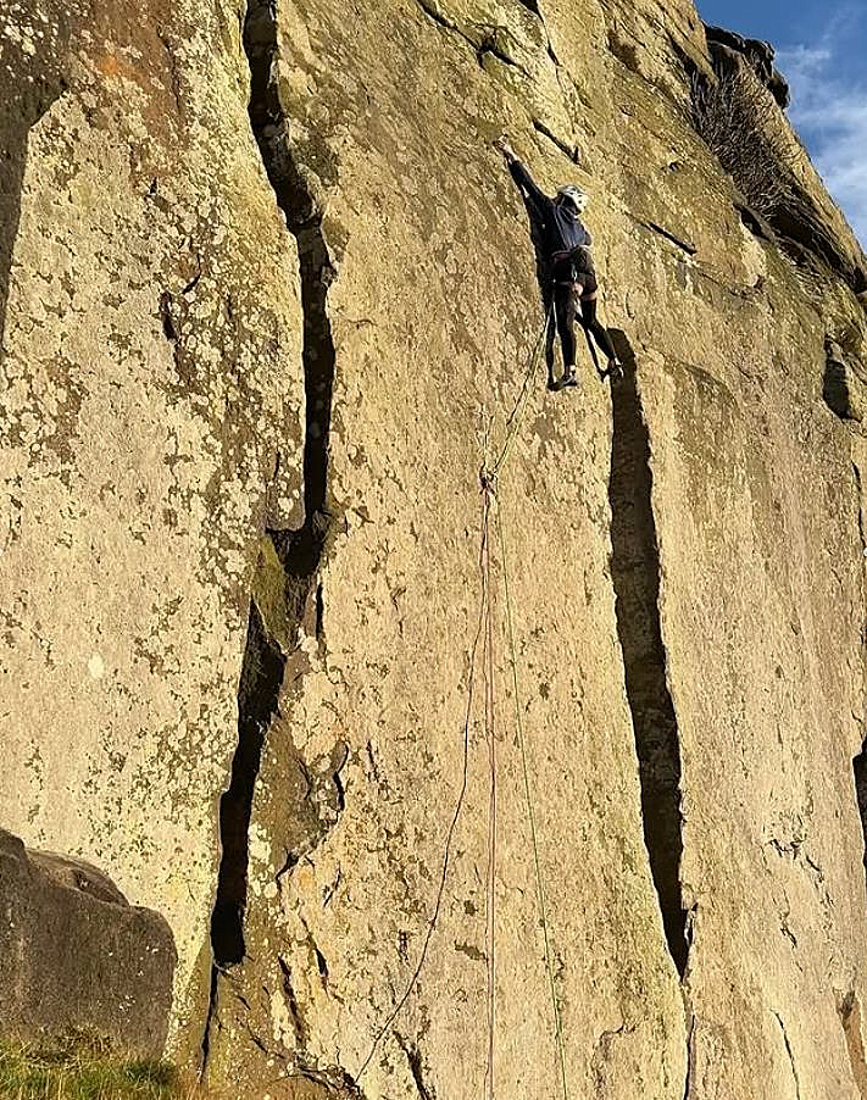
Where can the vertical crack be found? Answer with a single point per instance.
(859, 768)
(300, 551)
(790, 1054)
(261, 676)
(690, 1054)
(849, 1010)
(413, 1057)
(856, 469)
(635, 574)
(210, 1017)
(298, 1025)
(859, 762)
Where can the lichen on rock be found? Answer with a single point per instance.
(271, 300)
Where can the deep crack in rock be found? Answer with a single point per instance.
(433, 14)
(859, 762)
(299, 551)
(684, 245)
(490, 47)
(859, 768)
(859, 491)
(213, 994)
(571, 151)
(261, 677)
(485, 44)
(635, 574)
(298, 1025)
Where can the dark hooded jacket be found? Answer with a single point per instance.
(557, 228)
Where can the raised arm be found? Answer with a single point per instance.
(528, 187)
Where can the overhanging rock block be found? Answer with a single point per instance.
(75, 954)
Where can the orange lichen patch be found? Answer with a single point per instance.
(136, 45)
(109, 65)
(150, 68)
(114, 66)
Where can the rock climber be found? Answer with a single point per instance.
(566, 266)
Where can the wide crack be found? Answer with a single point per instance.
(859, 762)
(859, 768)
(261, 677)
(635, 573)
(299, 551)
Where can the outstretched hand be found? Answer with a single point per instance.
(502, 143)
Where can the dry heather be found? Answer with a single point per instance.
(738, 118)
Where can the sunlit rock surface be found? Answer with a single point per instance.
(266, 247)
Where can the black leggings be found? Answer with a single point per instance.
(565, 303)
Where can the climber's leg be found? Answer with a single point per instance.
(567, 296)
(600, 335)
(550, 332)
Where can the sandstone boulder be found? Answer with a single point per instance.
(75, 954)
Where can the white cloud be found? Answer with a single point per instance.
(830, 113)
(802, 63)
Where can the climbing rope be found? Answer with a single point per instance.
(483, 558)
(488, 477)
(489, 482)
(513, 424)
(490, 734)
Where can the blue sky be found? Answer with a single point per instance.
(822, 51)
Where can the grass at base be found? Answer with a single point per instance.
(80, 1068)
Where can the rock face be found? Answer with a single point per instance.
(75, 954)
(150, 424)
(299, 207)
(801, 212)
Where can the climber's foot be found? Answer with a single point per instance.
(615, 371)
(570, 378)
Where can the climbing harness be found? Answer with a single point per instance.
(484, 634)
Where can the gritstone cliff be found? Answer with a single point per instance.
(267, 299)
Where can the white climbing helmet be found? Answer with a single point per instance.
(575, 195)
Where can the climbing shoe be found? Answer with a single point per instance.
(615, 371)
(570, 378)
